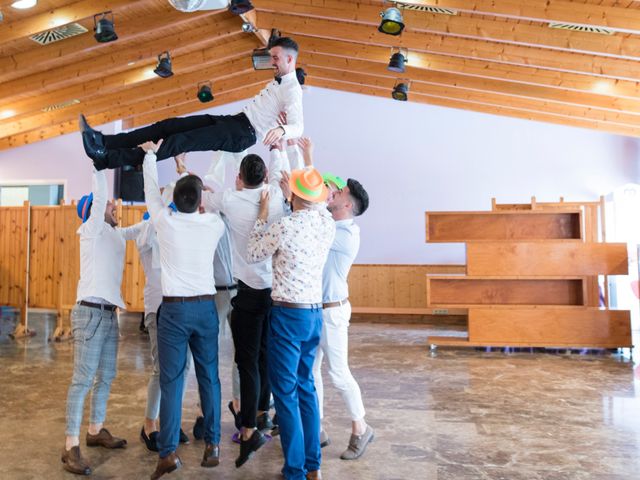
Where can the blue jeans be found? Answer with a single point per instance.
(194, 324)
(293, 339)
(95, 352)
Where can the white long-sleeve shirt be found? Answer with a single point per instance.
(265, 107)
(102, 250)
(149, 251)
(187, 241)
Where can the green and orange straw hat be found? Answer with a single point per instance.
(308, 184)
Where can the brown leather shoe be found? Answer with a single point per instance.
(211, 456)
(314, 475)
(105, 439)
(73, 462)
(166, 465)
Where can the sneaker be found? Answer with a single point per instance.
(358, 444)
(249, 447)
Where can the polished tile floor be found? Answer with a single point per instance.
(448, 414)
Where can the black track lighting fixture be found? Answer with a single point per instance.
(239, 7)
(392, 22)
(204, 92)
(397, 60)
(401, 90)
(103, 28)
(163, 69)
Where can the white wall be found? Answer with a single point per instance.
(411, 158)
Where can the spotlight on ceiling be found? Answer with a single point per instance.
(204, 92)
(401, 91)
(248, 27)
(391, 23)
(104, 28)
(238, 7)
(24, 4)
(261, 59)
(163, 69)
(397, 60)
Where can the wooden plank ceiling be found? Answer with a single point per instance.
(493, 56)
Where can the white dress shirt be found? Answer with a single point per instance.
(341, 256)
(102, 250)
(223, 260)
(149, 251)
(187, 241)
(265, 107)
(299, 245)
(241, 210)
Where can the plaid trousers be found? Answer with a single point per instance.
(95, 341)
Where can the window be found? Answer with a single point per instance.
(40, 194)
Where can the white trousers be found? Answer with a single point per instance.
(334, 345)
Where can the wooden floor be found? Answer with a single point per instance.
(448, 414)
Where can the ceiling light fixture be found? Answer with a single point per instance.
(401, 91)
(104, 28)
(163, 69)
(392, 23)
(239, 7)
(398, 59)
(24, 4)
(204, 92)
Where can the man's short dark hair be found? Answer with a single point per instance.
(253, 170)
(187, 194)
(359, 196)
(287, 43)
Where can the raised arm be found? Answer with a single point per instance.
(263, 241)
(132, 232)
(150, 174)
(95, 222)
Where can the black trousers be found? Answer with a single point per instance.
(250, 326)
(196, 133)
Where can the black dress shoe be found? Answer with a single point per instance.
(249, 447)
(93, 142)
(151, 440)
(264, 423)
(198, 428)
(237, 419)
(183, 437)
(166, 465)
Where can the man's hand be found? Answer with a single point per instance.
(273, 136)
(284, 185)
(279, 145)
(263, 213)
(282, 118)
(180, 166)
(306, 145)
(149, 145)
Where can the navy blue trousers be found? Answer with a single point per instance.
(194, 324)
(294, 335)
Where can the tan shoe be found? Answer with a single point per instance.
(358, 444)
(105, 439)
(166, 465)
(314, 475)
(73, 462)
(211, 457)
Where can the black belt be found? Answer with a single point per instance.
(277, 303)
(227, 287)
(197, 298)
(99, 306)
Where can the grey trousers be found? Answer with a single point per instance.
(223, 306)
(95, 342)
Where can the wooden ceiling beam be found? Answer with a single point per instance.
(130, 33)
(617, 18)
(56, 17)
(475, 106)
(240, 92)
(562, 97)
(218, 51)
(475, 68)
(116, 61)
(128, 102)
(454, 46)
(509, 31)
(454, 92)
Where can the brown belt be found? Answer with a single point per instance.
(197, 298)
(99, 306)
(336, 304)
(277, 303)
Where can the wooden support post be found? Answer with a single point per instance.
(22, 329)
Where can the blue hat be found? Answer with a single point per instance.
(146, 216)
(173, 207)
(84, 205)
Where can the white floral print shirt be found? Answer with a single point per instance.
(299, 245)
